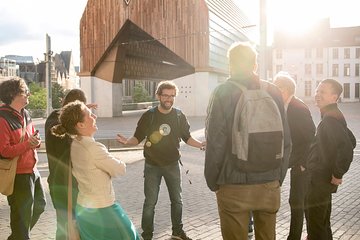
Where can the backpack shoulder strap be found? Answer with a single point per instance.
(178, 115)
(242, 87)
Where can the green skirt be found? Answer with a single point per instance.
(105, 223)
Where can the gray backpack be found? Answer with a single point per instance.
(257, 133)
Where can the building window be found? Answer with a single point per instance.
(307, 69)
(307, 88)
(346, 53)
(335, 53)
(278, 54)
(357, 89)
(357, 54)
(319, 69)
(278, 68)
(346, 90)
(347, 70)
(335, 70)
(319, 52)
(357, 69)
(308, 53)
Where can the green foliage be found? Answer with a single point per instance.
(140, 93)
(38, 98)
(58, 94)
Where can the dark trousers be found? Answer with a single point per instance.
(319, 210)
(298, 188)
(27, 203)
(59, 197)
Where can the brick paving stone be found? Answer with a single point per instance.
(200, 214)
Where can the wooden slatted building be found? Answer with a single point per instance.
(153, 40)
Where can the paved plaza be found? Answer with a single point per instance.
(200, 215)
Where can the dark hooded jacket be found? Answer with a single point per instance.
(332, 152)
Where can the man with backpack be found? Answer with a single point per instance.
(330, 157)
(248, 147)
(162, 127)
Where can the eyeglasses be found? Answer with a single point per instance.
(167, 96)
(25, 92)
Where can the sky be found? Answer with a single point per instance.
(24, 24)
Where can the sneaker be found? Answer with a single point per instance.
(181, 236)
(250, 230)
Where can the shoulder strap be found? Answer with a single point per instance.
(242, 87)
(23, 131)
(178, 115)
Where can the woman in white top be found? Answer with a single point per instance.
(97, 214)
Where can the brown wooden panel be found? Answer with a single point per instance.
(180, 25)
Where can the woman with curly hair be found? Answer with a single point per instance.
(97, 214)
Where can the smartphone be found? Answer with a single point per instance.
(36, 133)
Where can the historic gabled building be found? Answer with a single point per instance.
(66, 74)
(122, 41)
(321, 53)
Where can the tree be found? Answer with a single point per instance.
(140, 93)
(37, 101)
(58, 94)
(38, 98)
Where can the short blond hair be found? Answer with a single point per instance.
(284, 80)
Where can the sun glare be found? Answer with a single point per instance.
(295, 17)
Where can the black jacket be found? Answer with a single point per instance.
(220, 163)
(302, 131)
(58, 154)
(334, 145)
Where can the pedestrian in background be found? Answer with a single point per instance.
(330, 158)
(58, 155)
(302, 131)
(27, 202)
(163, 127)
(239, 189)
(97, 214)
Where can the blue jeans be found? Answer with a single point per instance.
(152, 180)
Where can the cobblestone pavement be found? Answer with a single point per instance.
(200, 215)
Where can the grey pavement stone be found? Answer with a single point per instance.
(200, 214)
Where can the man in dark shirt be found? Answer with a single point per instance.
(329, 159)
(163, 127)
(302, 131)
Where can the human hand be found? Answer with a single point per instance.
(34, 140)
(203, 146)
(92, 106)
(121, 139)
(336, 181)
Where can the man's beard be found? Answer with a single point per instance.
(163, 106)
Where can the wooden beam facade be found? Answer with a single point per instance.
(179, 26)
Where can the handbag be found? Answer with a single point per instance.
(72, 230)
(8, 170)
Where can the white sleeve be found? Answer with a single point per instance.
(107, 162)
